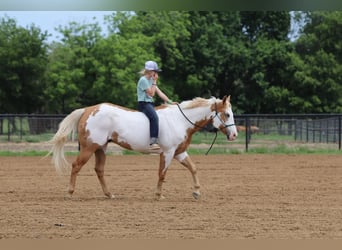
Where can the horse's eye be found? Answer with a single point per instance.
(228, 115)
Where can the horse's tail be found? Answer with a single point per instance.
(68, 125)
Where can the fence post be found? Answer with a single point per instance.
(339, 132)
(21, 128)
(247, 132)
(9, 129)
(307, 131)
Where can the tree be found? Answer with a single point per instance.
(207, 69)
(63, 80)
(245, 54)
(264, 86)
(272, 25)
(23, 57)
(117, 61)
(320, 49)
(70, 72)
(194, 49)
(150, 35)
(87, 68)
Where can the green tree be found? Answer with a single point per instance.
(151, 35)
(207, 69)
(22, 64)
(320, 49)
(265, 85)
(273, 25)
(63, 80)
(86, 68)
(118, 61)
(245, 54)
(70, 72)
(194, 49)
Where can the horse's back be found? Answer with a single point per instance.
(103, 121)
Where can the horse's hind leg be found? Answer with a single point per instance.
(161, 179)
(100, 160)
(186, 161)
(81, 159)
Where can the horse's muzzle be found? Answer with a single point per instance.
(231, 136)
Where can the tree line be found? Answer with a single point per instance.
(249, 55)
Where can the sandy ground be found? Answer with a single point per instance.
(243, 197)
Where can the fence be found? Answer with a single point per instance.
(31, 128)
(315, 128)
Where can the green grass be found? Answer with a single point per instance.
(32, 153)
(213, 151)
(208, 138)
(264, 150)
(280, 143)
(130, 152)
(280, 149)
(26, 138)
(24, 153)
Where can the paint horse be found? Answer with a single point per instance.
(103, 123)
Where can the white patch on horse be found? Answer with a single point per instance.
(131, 127)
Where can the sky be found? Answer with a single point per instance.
(49, 20)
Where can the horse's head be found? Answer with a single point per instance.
(223, 119)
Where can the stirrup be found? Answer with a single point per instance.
(154, 146)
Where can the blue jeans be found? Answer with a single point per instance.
(148, 109)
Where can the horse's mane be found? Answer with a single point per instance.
(196, 102)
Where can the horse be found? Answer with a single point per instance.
(252, 129)
(103, 123)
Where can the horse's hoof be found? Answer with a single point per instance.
(68, 197)
(196, 195)
(110, 196)
(160, 197)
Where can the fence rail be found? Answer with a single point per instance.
(28, 127)
(315, 128)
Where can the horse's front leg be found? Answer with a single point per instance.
(186, 161)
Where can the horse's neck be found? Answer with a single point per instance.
(198, 114)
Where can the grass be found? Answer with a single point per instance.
(24, 153)
(280, 149)
(283, 149)
(260, 144)
(31, 153)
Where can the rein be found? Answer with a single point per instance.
(194, 124)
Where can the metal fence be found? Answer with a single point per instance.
(314, 128)
(31, 128)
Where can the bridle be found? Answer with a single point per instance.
(205, 128)
(211, 118)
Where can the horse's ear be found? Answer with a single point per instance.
(225, 99)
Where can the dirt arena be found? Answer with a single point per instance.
(243, 197)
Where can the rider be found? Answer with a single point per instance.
(146, 89)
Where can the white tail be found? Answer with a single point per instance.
(68, 125)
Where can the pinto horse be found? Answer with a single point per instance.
(103, 123)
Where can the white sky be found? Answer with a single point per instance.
(49, 20)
